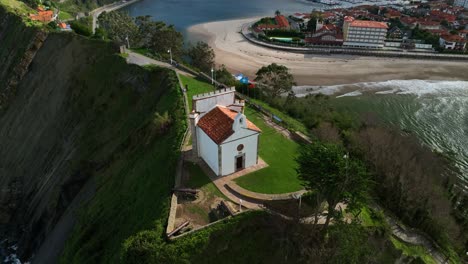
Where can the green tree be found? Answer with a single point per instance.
(275, 79)
(118, 27)
(202, 56)
(224, 76)
(277, 13)
(325, 169)
(314, 17)
(159, 37)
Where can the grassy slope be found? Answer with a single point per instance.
(413, 250)
(195, 86)
(21, 10)
(133, 189)
(198, 179)
(292, 123)
(279, 152)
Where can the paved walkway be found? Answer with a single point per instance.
(220, 183)
(142, 60)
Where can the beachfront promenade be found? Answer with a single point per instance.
(247, 34)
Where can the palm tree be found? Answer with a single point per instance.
(277, 13)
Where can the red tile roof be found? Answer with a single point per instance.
(453, 38)
(217, 123)
(281, 21)
(368, 24)
(43, 16)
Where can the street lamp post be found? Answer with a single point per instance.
(346, 157)
(212, 76)
(170, 53)
(128, 42)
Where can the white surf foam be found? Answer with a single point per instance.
(414, 87)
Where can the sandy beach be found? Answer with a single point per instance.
(241, 56)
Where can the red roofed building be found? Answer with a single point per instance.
(363, 33)
(221, 134)
(392, 13)
(281, 23)
(438, 32)
(439, 16)
(409, 21)
(452, 42)
(328, 34)
(43, 15)
(428, 24)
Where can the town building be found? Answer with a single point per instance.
(452, 42)
(395, 33)
(427, 24)
(221, 134)
(43, 15)
(462, 3)
(363, 33)
(281, 22)
(326, 34)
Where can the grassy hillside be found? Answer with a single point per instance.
(81, 113)
(133, 192)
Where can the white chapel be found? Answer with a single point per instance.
(221, 134)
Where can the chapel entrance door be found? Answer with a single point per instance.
(239, 163)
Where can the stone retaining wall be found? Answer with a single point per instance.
(261, 196)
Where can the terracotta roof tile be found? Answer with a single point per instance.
(281, 21)
(217, 123)
(368, 24)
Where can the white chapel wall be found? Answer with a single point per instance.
(229, 152)
(208, 150)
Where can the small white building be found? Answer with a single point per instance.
(221, 134)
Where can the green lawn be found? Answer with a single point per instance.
(413, 250)
(199, 180)
(372, 218)
(279, 152)
(65, 15)
(292, 123)
(195, 87)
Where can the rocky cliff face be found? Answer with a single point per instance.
(19, 45)
(72, 104)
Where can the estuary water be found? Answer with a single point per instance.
(185, 13)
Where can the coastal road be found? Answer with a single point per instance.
(108, 8)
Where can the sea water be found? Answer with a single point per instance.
(435, 111)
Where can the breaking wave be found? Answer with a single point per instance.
(416, 87)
